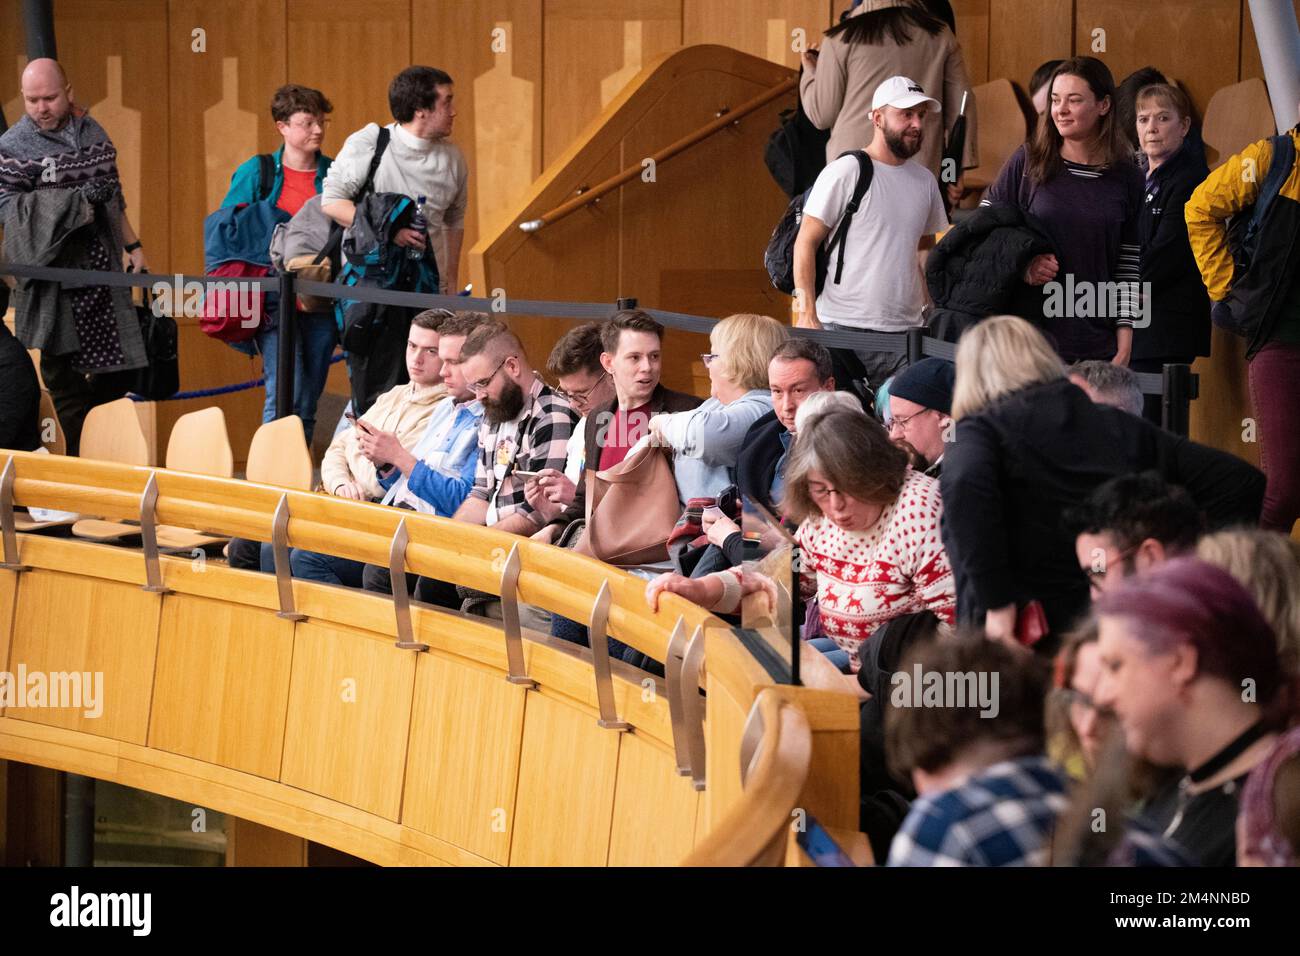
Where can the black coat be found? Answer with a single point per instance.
(976, 270)
(1180, 306)
(20, 396)
(756, 465)
(1016, 466)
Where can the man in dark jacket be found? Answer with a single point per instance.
(799, 368)
(1017, 465)
(976, 270)
(1179, 306)
(920, 410)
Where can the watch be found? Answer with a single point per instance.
(132, 246)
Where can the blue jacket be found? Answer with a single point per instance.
(243, 184)
(240, 234)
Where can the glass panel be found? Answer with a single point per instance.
(771, 613)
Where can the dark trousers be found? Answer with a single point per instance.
(424, 590)
(1274, 377)
(75, 393)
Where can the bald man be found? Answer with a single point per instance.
(61, 205)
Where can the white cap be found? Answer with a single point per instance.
(902, 93)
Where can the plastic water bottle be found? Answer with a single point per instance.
(420, 225)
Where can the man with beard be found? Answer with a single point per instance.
(881, 288)
(61, 205)
(526, 428)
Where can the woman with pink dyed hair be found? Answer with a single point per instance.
(1191, 669)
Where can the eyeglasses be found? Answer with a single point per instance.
(580, 397)
(1078, 700)
(707, 358)
(902, 422)
(1097, 575)
(310, 123)
(482, 384)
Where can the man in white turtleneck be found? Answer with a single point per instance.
(419, 161)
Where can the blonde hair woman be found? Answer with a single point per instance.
(1028, 444)
(1268, 564)
(706, 440)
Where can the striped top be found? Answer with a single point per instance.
(1091, 215)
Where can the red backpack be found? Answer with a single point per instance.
(230, 314)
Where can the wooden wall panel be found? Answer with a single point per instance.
(113, 52)
(647, 778)
(1194, 41)
(349, 712)
(220, 107)
(66, 623)
(592, 49)
(1218, 417)
(566, 787)
(222, 683)
(466, 729)
(498, 96)
(251, 844)
(12, 60)
(1024, 33)
(973, 35)
(351, 52)
(8, 593)
(760, 27)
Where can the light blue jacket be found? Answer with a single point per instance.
(444, 472)
(706, 442)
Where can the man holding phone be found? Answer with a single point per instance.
(403, 410)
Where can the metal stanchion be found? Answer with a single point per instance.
(286, 346)
(1180, 388)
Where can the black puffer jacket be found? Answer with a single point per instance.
(975, 271)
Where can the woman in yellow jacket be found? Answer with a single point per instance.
(1262, 304)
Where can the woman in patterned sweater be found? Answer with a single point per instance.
(869, 537)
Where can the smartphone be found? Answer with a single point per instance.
(526, 475)
(820, 845)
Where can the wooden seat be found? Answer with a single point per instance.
(1002, 129)
(199, 443)
(58, 445)
(112, 432)
(753, 833)
(278, 455)
(1237, 116)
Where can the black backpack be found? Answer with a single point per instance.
(796, 152)
(265, 176)
(779, 257)
(1243, 227)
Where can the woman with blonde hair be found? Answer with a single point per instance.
(706, 440)
(1028, 444)
(1268, 565)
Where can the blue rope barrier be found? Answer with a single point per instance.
(220, 389)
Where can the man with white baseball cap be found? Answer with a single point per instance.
(881, 287)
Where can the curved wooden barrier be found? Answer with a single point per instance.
(320, 725)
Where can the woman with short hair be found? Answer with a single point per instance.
(869, 533)
(706, 440)
(1178, 306)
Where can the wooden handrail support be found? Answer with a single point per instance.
(753, 831)
(668, 152)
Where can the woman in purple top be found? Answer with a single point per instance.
(1077, 178)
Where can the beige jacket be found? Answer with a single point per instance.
(398, 410)
(837, 95)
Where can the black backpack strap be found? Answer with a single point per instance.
(265, 175)
(367, 186)
(381, 144)
(865, 171)
(1279, 168)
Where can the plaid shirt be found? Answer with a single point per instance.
(1001, 816)
(536, 438)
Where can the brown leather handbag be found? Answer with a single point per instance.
(632, 509)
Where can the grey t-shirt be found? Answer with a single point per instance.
(880, 288)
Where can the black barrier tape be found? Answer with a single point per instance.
(1150, 383)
